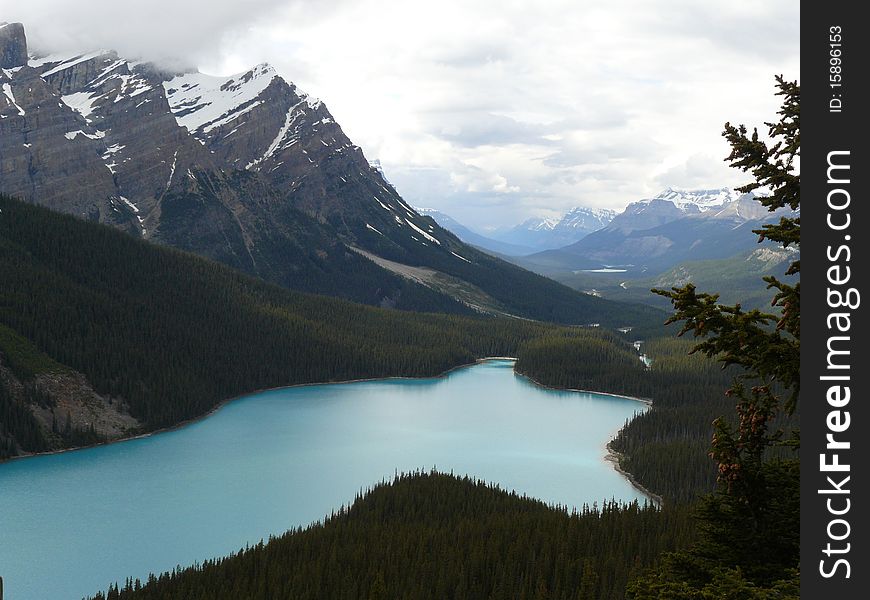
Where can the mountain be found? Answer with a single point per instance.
(472, 237)
(582, 220)
(550, 233)
(673, 204)
(247, 170)
(655, 234)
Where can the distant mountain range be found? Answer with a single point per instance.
(247, 170)
(655, 234)
(649, 236)
(532, 235)
(550, 233)
(474, 238)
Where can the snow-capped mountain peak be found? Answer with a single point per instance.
(673, 203)
(540, 223)
(703, 200)
(554, 232)
(586, 219)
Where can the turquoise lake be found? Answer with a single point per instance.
(72, 523)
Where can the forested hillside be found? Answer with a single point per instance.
(434, 536)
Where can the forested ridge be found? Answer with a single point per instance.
(435, 536)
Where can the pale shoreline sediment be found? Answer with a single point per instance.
(613, 456)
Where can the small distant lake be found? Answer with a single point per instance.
(72, 523)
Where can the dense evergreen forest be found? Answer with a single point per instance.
(435, 536)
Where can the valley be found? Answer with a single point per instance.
(703, 237)
(85, 299)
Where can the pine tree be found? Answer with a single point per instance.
(750, 525)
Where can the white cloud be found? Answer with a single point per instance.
(490, 111)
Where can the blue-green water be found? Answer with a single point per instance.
(72, 523)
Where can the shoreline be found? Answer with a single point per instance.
(647, 401)
(223, 403)
(611, 455)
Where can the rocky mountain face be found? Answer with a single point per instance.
(65, 406)
(655, 234)
(247, 170)
(673, 204)
(550, 233)
(531, 235)
(582, 220)
(13, 45)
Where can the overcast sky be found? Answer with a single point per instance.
(492, 111)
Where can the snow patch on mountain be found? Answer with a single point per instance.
(202, 102)
(702, 200)
(132, 85)
(65, 62)
(280, 142)
(585, 219)
(423, 233)
(71, 135)
(7, 91)
(540, 224)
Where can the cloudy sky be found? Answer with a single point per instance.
(492, 111)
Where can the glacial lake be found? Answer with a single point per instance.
(72, 523)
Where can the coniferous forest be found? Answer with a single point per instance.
(173, 335)
(435, 536)
(666, 449)
(138, 321)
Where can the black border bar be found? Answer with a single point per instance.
(834, 215)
